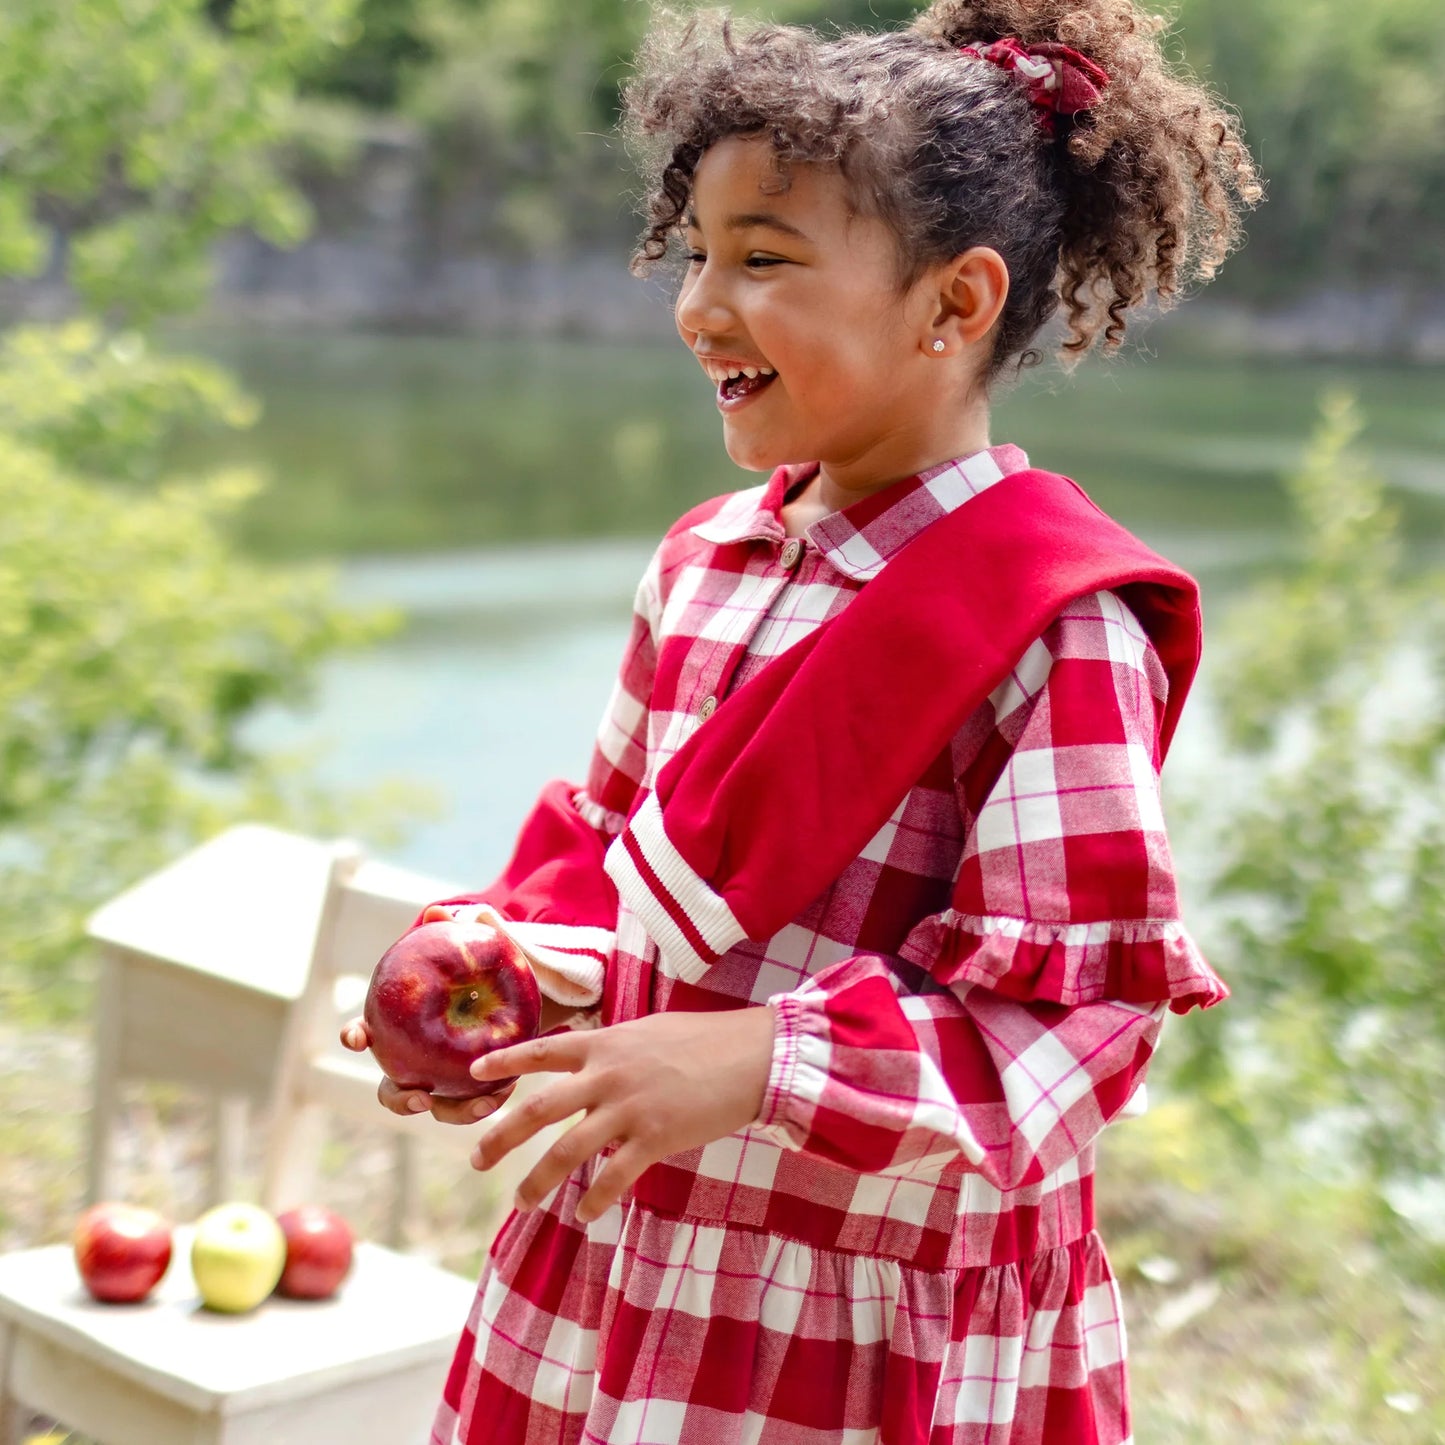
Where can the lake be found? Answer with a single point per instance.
(507, 494)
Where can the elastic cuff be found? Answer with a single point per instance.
(1142, 960)
(570, 961)
(781, 1073)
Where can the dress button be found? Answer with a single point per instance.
(708, 708)
(792, 550)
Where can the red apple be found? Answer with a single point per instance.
(121, 1251)
(318, 1252)
(443, 995)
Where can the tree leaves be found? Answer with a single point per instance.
(1333, 879)
(146, 130)
(136, 643)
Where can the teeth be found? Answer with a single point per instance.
(718, 372)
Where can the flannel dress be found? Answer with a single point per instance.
(901, 1248)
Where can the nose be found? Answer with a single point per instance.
(702, 304)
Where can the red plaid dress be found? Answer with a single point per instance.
(901, 1247)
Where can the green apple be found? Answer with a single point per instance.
(237, 1256)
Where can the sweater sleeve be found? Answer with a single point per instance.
(1013, 1026)
(553, 897)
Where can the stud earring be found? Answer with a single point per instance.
(938, 344)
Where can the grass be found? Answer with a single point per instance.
(1309, 1333)
(1259, 1311)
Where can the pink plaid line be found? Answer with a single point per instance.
(703, 1272)
(496, 1332)
(670, 1316)
(800, 970)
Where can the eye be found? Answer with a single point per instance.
(695, 258)
(756, 261)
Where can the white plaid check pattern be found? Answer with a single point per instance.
(902, 1246)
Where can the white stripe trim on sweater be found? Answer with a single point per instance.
(566, 977)
(684, 891)
(566, 973)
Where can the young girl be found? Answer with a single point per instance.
(868, 882)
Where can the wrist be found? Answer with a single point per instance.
(756, 1028)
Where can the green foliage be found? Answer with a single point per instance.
(518, 101)
(135, 646)
(104, 404)
(1342, 104)
(1332, 873)
(388, 43)
(145, 130)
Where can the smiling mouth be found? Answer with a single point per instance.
(735, 388)
(737, 380)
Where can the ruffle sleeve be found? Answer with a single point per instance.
(1017, 1023)
(1066, 892)
(1142, 961)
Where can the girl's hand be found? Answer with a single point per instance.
(417, 1101)
(355, 1037)
(655, 1086)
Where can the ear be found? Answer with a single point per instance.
(972, 289)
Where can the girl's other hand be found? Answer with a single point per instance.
(355, 1037)
(655, 1086)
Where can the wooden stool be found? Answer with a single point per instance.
(219, 973)
(364, 1368)
(229, 972)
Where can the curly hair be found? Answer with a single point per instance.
(1142, 195)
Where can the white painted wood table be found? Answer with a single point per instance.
(364, 1368)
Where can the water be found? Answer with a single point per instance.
(497, 685)
(409, 444)
(507, 495)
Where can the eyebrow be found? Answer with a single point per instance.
(747, 220)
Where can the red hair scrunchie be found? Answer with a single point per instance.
(1059, 80)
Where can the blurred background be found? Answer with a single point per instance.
(334, 437)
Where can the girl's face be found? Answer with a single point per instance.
(792, 285)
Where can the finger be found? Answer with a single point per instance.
(576, 1146)
(356, 1036)
(467, 1111)
(402, 1101)
(456, 913)
(618, 1175)
(547, 1106)
(560, 1053)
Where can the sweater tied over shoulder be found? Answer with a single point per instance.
(770, 798)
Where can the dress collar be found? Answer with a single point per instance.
(860, 538)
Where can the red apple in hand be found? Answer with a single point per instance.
(121, 1251)
(318, 1252)
(444, 994)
